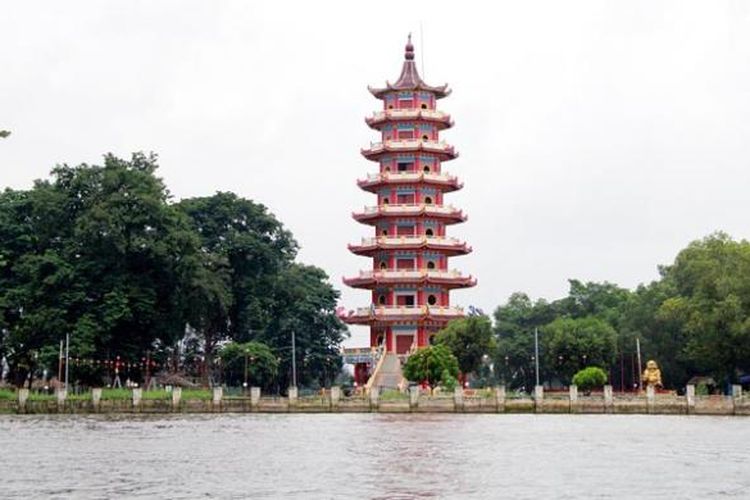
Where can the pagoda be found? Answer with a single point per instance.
(410, 278)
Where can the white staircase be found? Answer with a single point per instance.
(387, 374)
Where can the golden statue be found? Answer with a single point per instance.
(652, 374)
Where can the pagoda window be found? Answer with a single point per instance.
(404, 166)
(386, 201)
(384, 232)
(429, 232)
(405, 199)
(390, 106)
(405, 300)
(383, 265)
(406, 134)
(403, 264)
(432, 300)
(405, 102)
(431, 264)
(431, 339)
(424, 106)
(426, 169)
(381, 300)
(428, 200)
(405, 231)
(387, 169)
(425, 137)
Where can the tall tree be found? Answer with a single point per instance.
(469, 339)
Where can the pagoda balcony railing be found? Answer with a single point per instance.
(410, 114)
(409, 144)
(411, 208)
(411, 177)
(412, 240)
(435, 311)
(411, 274)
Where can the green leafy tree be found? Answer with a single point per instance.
(711, 305)
(4, 134)
(304, 302)
(469, 339)
(262, 365)
(590, 378)
(433, 364)
(569, 344)
(96, 252)
(514, 332)
(249, 247)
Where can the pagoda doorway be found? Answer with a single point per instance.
(404, 342)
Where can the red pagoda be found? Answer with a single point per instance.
(410, 278)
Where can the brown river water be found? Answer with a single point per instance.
(375, 456)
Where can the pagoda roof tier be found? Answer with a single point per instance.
(394, 314)
(409, 79)
(439, 148)
(445, 182)
(446, 246)
(371, 279)
(449, 214)
(379, 118)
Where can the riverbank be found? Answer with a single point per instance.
(332, 401)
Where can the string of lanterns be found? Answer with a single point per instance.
(115, 364)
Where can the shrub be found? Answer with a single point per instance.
(591, 377)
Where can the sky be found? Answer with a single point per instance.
(597, 138)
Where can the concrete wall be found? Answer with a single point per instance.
(416, 401)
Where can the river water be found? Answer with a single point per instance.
(375, 456)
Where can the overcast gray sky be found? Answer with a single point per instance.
(597, 138)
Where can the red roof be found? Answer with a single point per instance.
(410, 79)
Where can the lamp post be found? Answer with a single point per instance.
(536, 353)
(294, 360)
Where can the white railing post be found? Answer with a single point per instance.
(176, 397)
(23, 397)
(690, 398)
(96, 397)
(137, 396)
(500, 399)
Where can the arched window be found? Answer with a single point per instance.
(383, 265)
(431, 339)
(431, 265)
(386, 201)
(390, 106)
(387, 169)
(425, 137)
(384, 232)
(429, 232)
(381, 300)
(380, 339)
(424, 106)
(426, 169)
(428, 200)
(432, 300)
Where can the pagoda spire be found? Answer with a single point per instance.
(409, 78)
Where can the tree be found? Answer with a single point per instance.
(711, 305)
(4, 134)
(262, 365)
(514, 331)
(242, 239)
(433, 364)
(97, 252)
(304, 302)
(568, 344)
(589, 378)
(469, 339)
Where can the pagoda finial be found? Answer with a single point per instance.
(409, 54)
